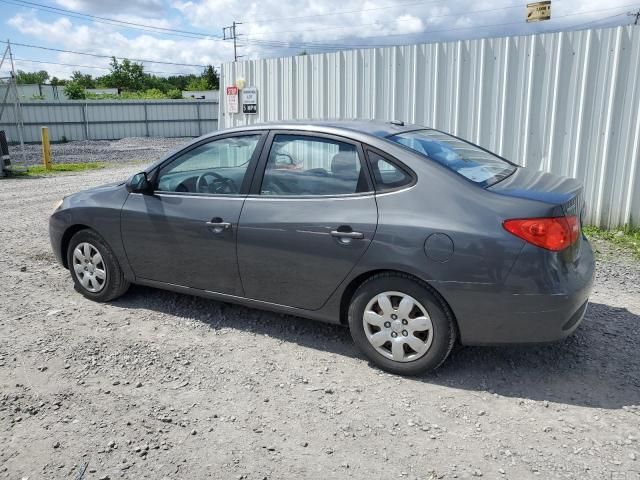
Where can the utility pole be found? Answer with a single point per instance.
(637, 15)
(229, 33)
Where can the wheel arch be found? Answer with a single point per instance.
(66, 239)
(353, 285)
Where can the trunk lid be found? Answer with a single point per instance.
(530, 184)
(545, 187)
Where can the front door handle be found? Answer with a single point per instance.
(352, 235)
(217, 225)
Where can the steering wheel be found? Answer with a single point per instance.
(216, 184)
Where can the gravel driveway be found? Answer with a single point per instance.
(133, 149)
(163, 385)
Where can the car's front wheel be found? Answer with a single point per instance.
(400, 325)
(94, 268)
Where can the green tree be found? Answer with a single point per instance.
(211, 77)
(26, 78)
(208, 80)
(126, 75)
(84, 79)
(180, 82)
(74, 91)
(196, 84)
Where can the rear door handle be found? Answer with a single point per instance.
(217, 225)
(354, 235)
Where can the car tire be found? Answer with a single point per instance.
(94, 268)
(399, 330)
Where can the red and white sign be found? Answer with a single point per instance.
(232, 99)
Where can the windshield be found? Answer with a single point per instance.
(457, 155)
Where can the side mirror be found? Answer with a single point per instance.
(139, 183)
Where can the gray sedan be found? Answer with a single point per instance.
(413, 238)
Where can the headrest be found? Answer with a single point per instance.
(345, 164)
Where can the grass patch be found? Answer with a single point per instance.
(627, 238)
(35, 170)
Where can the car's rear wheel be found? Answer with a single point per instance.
(400, 324)
(94, 268)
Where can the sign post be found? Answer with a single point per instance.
(46, 148)
(232, 99)
(250, 100)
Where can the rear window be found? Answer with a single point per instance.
(457, 155)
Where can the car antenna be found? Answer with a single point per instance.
(399, 123)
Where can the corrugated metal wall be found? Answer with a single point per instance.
(28, 92)
(108, 120)
(562, 102)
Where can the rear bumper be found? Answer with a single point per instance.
(523, 319)
(540, 304)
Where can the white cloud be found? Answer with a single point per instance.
(408, 24)
(303, 21)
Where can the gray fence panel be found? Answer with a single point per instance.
(562, 102)
(110, 120)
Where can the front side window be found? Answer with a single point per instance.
(462, 157)
(303, 165)
(217, 167)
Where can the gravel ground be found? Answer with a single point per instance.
(120, 151)
(163, 385)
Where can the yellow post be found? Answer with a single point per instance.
(46, 148)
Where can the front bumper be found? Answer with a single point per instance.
(57, 227)
(543, 303)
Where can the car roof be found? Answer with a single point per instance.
(377, 128)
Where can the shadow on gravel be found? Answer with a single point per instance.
(598, 367)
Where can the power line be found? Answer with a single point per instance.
(256, 42)
(123, 24)
(275, 44)
(316, 45)
(395, 21)
(106, 56)
(92, 66)
(474, 27)
(593, 22)
(294, 45)
(131, 25)
(120, 23)
(344, 12)
(110, 21)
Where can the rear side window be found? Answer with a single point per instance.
(462, 157)
(387, 175)
(306, 165)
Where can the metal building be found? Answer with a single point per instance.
(113, 119)
(565, 102)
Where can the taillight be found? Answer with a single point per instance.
(552, 233)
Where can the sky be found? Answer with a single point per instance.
(189, 32)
